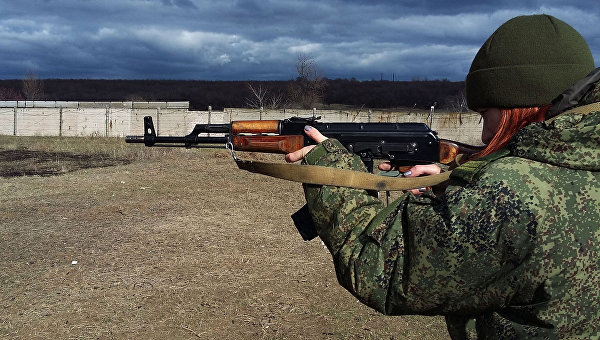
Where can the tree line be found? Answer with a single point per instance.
(309, 90)
(269, 94)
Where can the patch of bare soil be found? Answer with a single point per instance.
(181, 245)
(14, 163)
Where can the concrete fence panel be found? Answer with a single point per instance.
(7, 120)
(37, 121)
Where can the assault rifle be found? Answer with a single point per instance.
(402, 144)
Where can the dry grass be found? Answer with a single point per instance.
(169, 244)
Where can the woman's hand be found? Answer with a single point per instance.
(299, 155)
(415, 171)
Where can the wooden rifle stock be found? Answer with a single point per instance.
(449, 150)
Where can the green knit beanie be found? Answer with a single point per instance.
(528, 61)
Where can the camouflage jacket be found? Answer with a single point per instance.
(513, 243)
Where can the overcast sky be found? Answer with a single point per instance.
(261, 39)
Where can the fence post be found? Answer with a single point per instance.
(106, 120)
(157, 120)
(60, 121)
(209, 114)
(15, 120)
(431, 113)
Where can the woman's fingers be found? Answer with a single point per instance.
(420, 170)
(298, 155)
(414, 171)
(315, 135)
(384, 166)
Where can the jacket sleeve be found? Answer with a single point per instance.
(418, 255)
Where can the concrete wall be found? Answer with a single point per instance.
(118, 119)
(108, 119)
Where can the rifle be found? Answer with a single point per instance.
(402, 144)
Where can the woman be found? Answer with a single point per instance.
(514, 241)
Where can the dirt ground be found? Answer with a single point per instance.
(176, 244)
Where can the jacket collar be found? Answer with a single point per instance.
(572, 97)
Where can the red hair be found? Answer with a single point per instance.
(511, 121)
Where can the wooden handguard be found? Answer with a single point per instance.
(254, 126)
(269, 144)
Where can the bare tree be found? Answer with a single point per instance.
(307, 67)
(457, 103)
(266, 97)
(33, 88)
(307, 90)
(277, 100)
(258, 95)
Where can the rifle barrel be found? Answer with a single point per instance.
(134, 139)
(189, 140)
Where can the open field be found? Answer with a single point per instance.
(169, 244)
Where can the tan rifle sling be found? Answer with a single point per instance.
(322, 175)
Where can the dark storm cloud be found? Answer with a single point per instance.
(179, 3)
(247, 39)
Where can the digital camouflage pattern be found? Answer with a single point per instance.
(514, 242)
